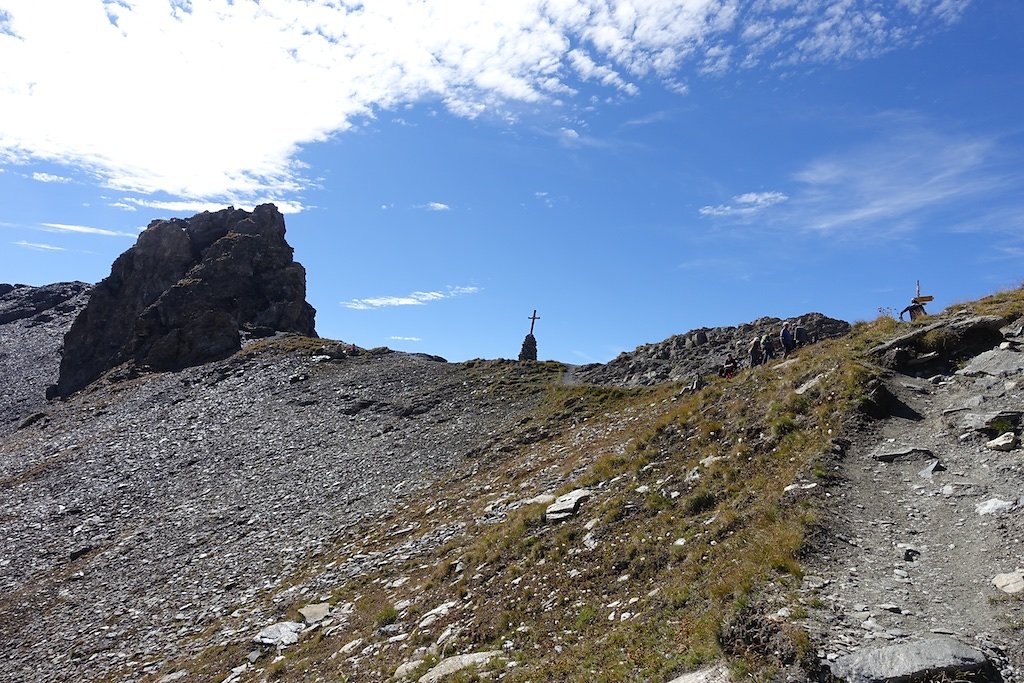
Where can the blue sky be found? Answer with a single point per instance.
(630, 170)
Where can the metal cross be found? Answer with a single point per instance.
(533, 319)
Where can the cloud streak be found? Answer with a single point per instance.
(84, 230)
(413, 299)
(37, 246)
(908, 177)
(318, 67)
(746, 204)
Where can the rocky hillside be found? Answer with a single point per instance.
(684, 357)
(303, 511)
(33, 321)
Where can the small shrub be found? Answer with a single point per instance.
(388, 615)
(699, 502)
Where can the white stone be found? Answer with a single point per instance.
(542, 499)
(993, 506)
(712, 674)
(452, 664)
(351, 645)
(404, 670)
(315, 613)
(566, 505)
(1010, 583)
(280, 634)
(1004, 442)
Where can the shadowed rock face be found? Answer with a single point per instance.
(184, 292)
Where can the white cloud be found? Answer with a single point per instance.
(185, 206)
(408, 339)
(265, 78)
(436, 206)
(414, 299)
(901, 180)
(84, 229)
(745, 204)
(49, 178)
(37, 246)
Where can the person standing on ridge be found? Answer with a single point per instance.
(767, 348)
(755, 352)
(786, 337)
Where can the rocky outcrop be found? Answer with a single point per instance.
(33, 321)
(186, 292)
(700, 352)
(42, 304)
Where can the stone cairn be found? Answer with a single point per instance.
(529, 350)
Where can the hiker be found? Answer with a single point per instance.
(729, 368)
(915, 309)
(767, 348)
(786, 337)
(755, 352)
(800, 335)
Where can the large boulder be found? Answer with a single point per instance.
(183, 294)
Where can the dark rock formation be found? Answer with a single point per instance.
(20, 302)
(529, 350)
(182, 295)
(33, 321)
(700, 352)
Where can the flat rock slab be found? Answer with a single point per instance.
(908, 453)
(567, 505)
(997, 363)
(315, 613)
(1010, 583)
(1004, 442)
(458, 663)
(282, 634)
(909, 661)
(980, 422)
(717, 673)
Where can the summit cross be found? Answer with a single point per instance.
(533, 319)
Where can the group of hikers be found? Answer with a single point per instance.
(763, 349)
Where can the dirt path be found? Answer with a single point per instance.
(911, 554)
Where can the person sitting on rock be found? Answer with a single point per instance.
(729, 368)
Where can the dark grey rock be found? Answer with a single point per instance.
(183, 294)
(908, 453)
(910, 662)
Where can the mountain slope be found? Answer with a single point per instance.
(155, 524)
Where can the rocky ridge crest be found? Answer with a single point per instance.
(684, 357)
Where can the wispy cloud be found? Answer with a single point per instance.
(131, 204)
(413, 299)
(435, 206)
(902, 181)
(910, 176)
(406, 339)
(85, 230)
(335, 63)
(745, 204)
(50, 178)
(37, 246)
